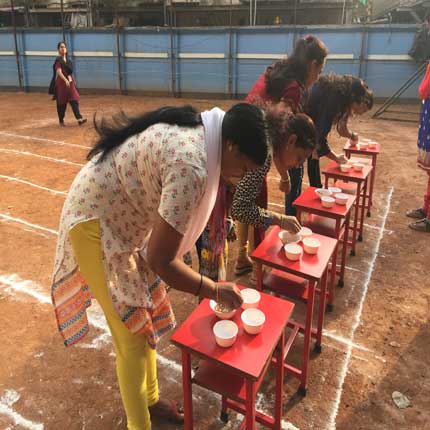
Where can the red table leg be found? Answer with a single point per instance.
(323, 283)
(188, 396)
(259, 277)
(363, 208)
(224, 411)
(279, 389)
(356, 214)
(326, 181)
(250, 405)
(344, 248)
(308, 336)
(333, 269)
(372, 183)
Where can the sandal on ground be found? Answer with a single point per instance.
(416, 214)
(82, 121)
(168, 410)
(422, 225)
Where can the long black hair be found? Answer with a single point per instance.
(335, 94)
(283, 124)
(244, 124)
(296, 66)
(62, 42)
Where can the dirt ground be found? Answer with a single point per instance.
(376, 340)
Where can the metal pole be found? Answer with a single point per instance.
(255, 13)
(118, 48)
(62, 20)
(230, 56)
(363, 44)
(172, 61)
(18, 66)
(343, 12)
(250, 13)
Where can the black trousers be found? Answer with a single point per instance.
(61, 110)
(296, 178)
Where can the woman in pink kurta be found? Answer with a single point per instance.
(63, 86)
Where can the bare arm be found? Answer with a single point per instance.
(61, 75)
(342, 127)
(163, 246)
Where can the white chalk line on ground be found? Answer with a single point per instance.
(331, 425)
(28, 224)
(32, 184)
(97, 319)
(40, 139)
(7, 400)
(44, 157)
(338, 338)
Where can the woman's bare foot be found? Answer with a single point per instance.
(167, 410)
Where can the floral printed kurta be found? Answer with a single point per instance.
(161, 170)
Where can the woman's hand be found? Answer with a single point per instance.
(341, 159)
(67, 83)
(286, 222)
(228, 294)
(285, 185)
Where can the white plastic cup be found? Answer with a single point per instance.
(311, 245)
(253, 320)
(225, 332)
(293, 251)
(327, 202)
(251, 298)
(341, 199)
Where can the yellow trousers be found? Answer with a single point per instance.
(136, 362)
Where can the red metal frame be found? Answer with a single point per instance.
(373, 153)
(309, 202)
(229, 371)
(267, 254)
(332, 171)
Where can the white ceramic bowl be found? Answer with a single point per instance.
(251, 298)
(322, 192)
(287, 237)
(311, 245)
(225, 332)
(358, 167)
(327, 202)
(364, 145)
(345, 168)
(219, 314)
(341, 198)
(293, 251)
(253, 320)
(334, 190)
(305, 232)
(372, 144)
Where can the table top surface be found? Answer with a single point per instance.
(311, 202)
(357, 150)
(271, 253)
(333, 170)
(249, 355)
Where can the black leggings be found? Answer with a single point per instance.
(61, 110)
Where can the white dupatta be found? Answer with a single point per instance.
(212, 123)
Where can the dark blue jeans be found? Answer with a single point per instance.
(296, 177)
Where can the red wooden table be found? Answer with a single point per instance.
(313, 268)
(310, 203)
(373, 154)
(332, 171)
(236, 372)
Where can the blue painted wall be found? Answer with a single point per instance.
(200, 60)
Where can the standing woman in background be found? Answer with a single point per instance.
(280, 87)
(63, 86)
(332, 100)
(422, 214)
